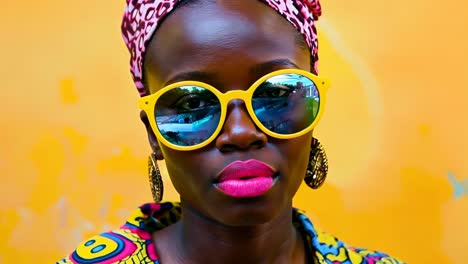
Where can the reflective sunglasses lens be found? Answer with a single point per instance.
(187, 115)
(286, 103)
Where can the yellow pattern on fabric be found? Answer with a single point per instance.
(85, 249)
(327, 239)
(135, 217)
(342, 256)
(355, 257)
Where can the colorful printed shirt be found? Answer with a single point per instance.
(133, 242)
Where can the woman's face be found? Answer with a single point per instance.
(229, 44)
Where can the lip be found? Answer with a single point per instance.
(245, 179)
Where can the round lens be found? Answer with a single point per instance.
(286, 103)
(187, 115)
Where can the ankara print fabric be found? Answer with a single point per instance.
(133, 243)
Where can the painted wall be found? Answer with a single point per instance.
(73, 151)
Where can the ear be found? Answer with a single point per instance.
(151, 136)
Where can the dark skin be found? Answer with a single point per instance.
(229, 44)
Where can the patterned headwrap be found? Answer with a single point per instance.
(142, 17)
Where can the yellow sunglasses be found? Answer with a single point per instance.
(189, 115)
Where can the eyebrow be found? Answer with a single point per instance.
(258, 69)
(192, 75)
(269, 66)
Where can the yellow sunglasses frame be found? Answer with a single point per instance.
(147, 104)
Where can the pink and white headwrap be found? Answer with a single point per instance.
(141, 19)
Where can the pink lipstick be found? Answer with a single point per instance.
(244, 179)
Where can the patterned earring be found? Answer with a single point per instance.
(155, 179)
(317, 168)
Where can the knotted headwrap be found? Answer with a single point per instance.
(142, 17)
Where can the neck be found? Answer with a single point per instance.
(203, 240)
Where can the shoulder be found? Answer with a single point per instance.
(132, 243)
(329, 249)
(118, 246)
(377, 257)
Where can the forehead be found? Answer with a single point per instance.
(222, 37)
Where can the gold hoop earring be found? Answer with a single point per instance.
(317, 168)
(155, 179)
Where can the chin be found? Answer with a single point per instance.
(252, 211)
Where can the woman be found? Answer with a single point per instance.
(230, 97)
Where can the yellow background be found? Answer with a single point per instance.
(73, 151)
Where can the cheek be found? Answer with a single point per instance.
(296, 156)
(178, 166)
(185, 171)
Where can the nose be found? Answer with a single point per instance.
(239, 131)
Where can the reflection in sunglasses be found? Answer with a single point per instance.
(282, 105)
